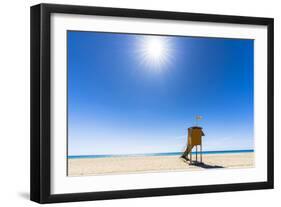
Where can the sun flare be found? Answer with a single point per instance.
(154, 51)
(155, 48)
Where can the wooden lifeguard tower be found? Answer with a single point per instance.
(194, 138)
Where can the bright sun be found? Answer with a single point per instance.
(154, 51)
(155, 48)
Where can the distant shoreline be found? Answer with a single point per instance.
(157, 154)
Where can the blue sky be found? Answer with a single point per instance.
(118, 103)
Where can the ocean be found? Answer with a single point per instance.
(157, 154)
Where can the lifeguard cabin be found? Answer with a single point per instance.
(194, 139)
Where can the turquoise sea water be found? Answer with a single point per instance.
(157, 154)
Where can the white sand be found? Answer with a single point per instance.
(121, 165)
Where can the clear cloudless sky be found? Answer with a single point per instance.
(119, 105)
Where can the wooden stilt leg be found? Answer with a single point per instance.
(201, 153)
(196, 153)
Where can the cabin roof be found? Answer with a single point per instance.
(195, 127)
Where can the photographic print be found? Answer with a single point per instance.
(130, 103)
(142, 103)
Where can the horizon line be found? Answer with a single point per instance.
(159, 153)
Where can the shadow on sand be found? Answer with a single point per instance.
(205, 166)
(201, 164)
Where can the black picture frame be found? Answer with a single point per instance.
(40, 184)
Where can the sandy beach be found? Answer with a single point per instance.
(120, 165)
